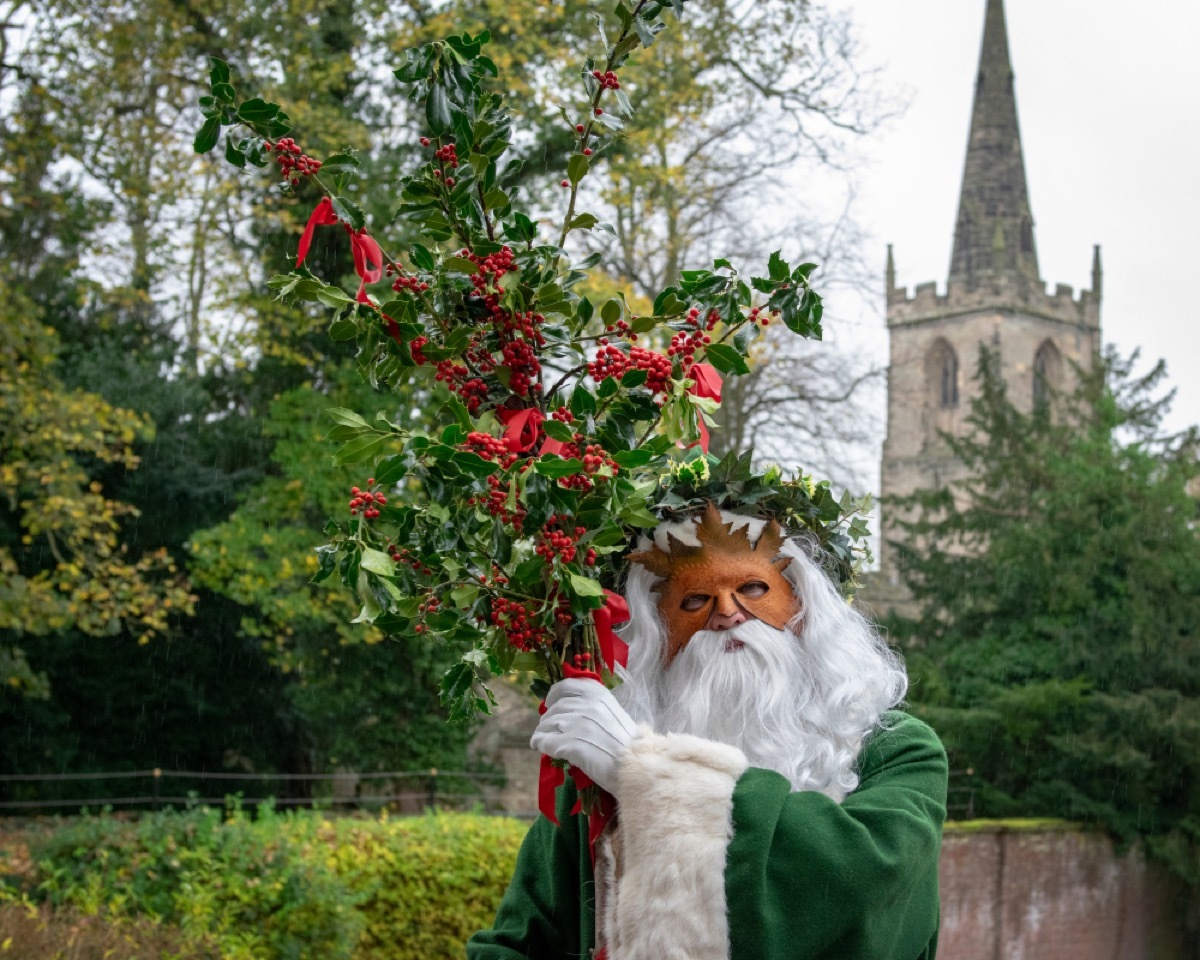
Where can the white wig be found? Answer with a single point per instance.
(835, 680)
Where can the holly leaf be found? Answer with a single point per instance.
(777, 267)
(359, 449)
(577, 168)
(207, 138)
(630, 459)
(582, 401)
(553, 466)
(459, 265)
(347, 418)
(558, 430)
(585, 586)
(726, 359)
(349, 212)
(377, 562)
(257, 110)
(218, 71)
(437, 110)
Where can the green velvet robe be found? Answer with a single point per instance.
(805, 878)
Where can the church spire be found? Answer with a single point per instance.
(993, 236)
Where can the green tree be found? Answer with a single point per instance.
(364, 701)
(1058, 652)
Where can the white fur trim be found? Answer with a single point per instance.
(675, 796)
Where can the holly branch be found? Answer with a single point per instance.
(556, 419)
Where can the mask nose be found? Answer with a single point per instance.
(726, 613)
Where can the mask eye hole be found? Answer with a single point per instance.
(694, 602)
(754, 589)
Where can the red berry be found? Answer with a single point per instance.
(599, 110)
(579, 128)
(566, 183)
(587, 151)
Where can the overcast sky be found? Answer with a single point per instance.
(1108, 97)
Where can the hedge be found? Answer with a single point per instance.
(288, 886)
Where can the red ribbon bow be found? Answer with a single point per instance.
(614, 651)
(368, 257)
(707, 385)
(522, 427)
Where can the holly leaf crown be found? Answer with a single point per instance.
(833, 530)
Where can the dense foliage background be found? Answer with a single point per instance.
(1058, 654)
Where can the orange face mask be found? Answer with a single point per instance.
(722, 575)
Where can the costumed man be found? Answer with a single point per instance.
(771, 801)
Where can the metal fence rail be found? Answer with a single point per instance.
(429, 788)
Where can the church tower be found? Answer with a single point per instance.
(994, 296)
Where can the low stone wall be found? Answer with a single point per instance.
(1050, 891)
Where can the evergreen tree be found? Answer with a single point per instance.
(1058, 652)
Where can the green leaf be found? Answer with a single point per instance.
(558, 430)
(437, 110)
(553, 466)
(207, 138)
(644, 324)
(777, 267)
(378, 562)
(334, 297)
(389, 470)
(341, 330)
(347, 418)
(422, 259)
(629, 459)
(634, 378)
(610, 313)
(459, 265)
(360, 449)
(218, 70)
(585, 586)
(257, 110)
(224, 92)
(726, 359)
(582, 401)
(577, 167)
(349, 212)
(340, 160)
(585, 221)
(473, 463)
(233, 154)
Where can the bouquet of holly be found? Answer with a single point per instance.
(499, 529)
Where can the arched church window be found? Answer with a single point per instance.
(942, 373)
(1047, 373)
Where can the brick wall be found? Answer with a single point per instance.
(1056, 894)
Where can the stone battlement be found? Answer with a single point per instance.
(1002, 292)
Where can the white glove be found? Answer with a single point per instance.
(584, 725)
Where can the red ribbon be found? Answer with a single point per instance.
(368, 257)
(614, 651)
(707, 384)
(523, 427)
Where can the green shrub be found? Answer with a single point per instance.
(288, 887)
(428, 882)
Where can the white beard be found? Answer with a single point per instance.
(800, 703)
(760, 698)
